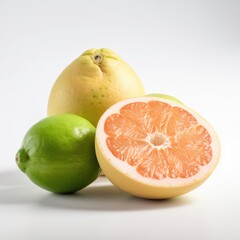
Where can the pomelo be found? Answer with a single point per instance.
(155, 148)
(92, 83)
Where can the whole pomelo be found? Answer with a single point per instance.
(58, 154)
(92, 83)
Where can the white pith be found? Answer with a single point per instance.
(158, 140)
(161, 142)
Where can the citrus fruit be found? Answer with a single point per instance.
(155, 148)
(58, 154)
(92, 83)
(165, 96)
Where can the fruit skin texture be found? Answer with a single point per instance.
(127, 183)
(58, 154)
(92, 83)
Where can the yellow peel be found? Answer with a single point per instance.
(92, 83)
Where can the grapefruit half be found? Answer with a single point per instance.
(155, 148)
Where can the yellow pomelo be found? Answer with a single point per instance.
(92, 83)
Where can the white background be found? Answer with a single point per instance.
(189, 49)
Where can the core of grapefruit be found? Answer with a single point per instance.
(155, 148)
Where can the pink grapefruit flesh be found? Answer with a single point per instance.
(155, 148)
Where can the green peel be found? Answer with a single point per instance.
(164, 96)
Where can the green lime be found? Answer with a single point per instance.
(58, 153)
(165, 96)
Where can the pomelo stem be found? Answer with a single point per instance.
(97, 58)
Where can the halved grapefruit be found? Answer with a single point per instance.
(155, 148)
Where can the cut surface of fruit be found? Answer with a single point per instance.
(155, 148)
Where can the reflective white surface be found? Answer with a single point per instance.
(101, 211)
(189, 49)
